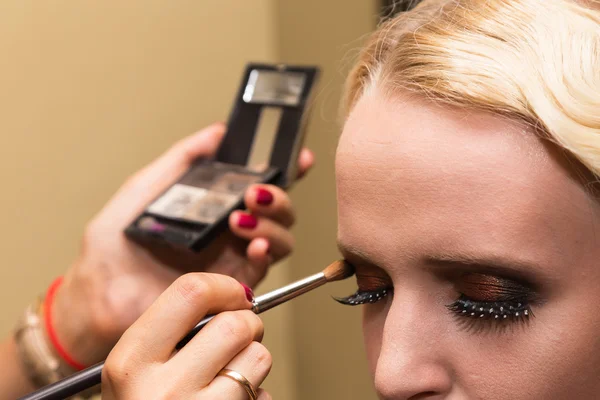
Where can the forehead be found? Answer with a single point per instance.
(413, 173)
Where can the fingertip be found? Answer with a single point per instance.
(202, 143)
(262, 245)
(219, 126)
(306, 161)
(233, 218)
(248, 292)
(215, 129)
(307, 155)
(262, 197)
(258, 251)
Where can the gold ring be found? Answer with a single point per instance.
(239, 378)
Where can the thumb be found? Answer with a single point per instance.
(183, 153)
(155, 178)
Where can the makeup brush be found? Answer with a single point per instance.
(336, 271)
(92, 376)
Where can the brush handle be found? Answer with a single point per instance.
(70, 386)
(291, 291)
(193, 332)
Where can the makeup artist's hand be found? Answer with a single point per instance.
(115, 280)
(143, 366)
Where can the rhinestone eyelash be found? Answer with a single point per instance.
(491, 310)
(363, 297)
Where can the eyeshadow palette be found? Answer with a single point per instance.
(195, 209)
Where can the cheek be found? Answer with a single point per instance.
(553, 357)
(373, 323)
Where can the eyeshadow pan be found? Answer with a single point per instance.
(204, 197)
(177, 201)
(234, 182)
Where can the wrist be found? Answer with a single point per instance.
(15, 381)
(43, 359)
(74, 326)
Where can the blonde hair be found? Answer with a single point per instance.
(531, 60)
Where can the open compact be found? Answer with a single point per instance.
(270, 112)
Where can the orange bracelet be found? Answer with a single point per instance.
(60, 350)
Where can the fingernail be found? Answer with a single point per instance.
(247, 221)
(264, 197)
(249, 292)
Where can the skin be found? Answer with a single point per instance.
(419, 182)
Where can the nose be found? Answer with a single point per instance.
(411, 363)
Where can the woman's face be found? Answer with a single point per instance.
(465, 215)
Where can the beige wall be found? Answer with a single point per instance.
(91, 91)
(329, 352)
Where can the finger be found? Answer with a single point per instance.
(259, 257)
(216, 345)
(183, 153)
(262, 395)
(306, 161)
(271, 202)
(253, 363)
(258, 252)
(249, 227)
(152, 338)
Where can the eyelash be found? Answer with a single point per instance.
(475, 315)
(513, 311)
(364, 297)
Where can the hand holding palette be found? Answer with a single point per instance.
(195, 209)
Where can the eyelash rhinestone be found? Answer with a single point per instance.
(491, 310)
(359, 297)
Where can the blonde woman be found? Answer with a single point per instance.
(467, 186)
(467, 189)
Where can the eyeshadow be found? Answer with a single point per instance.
(491, 288)
(211, 207)
(234, 183)
(204, 197)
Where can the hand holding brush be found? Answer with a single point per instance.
(225, 360)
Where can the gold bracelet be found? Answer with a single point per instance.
(40, 362)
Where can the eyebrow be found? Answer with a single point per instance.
(355, 252)
(507, 267)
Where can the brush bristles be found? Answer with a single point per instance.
(338, 270)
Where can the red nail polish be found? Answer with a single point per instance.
(264, 197)
(249, 292)
(247, 221)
